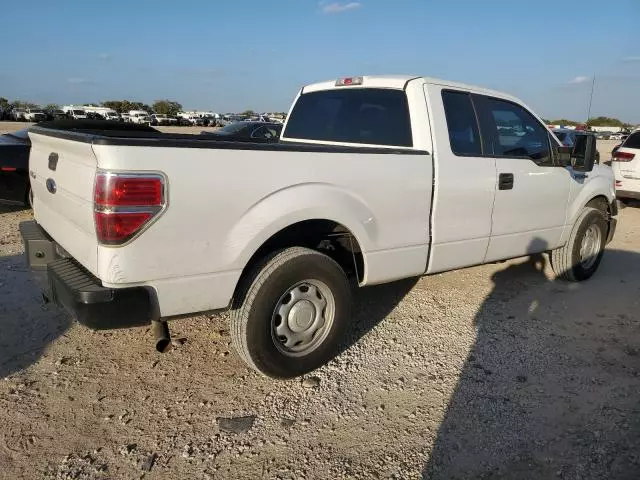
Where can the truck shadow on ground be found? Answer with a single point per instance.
(27, 325)
(550, 388)
(372, 305)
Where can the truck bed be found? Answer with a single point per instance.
(150, 137)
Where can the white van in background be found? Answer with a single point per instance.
(75, 112)
(139, 117)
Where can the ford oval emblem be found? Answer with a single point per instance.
(51, 185)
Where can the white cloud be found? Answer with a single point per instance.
(80, 81)
(337, 7)
(105, 56)
(631, 59)
(579, 79)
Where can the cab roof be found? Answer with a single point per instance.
(400, 82)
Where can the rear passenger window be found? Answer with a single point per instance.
(632, 141)
(461, 123)
(509, 130)
(372, 116)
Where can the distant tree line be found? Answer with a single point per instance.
(597, 121)
(165, 106)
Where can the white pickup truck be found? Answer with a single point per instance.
(375, 178)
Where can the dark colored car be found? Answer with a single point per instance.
(210, 121)
(14, 168)
(568, 137)
(249, 131)
(15, 187)
(55, 114)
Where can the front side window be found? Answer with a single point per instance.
(372, 116)
(461, 123)
(509, 130)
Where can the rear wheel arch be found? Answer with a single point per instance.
(326, 236)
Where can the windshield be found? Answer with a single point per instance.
(78, 112)
(232, 128)
(159, 115)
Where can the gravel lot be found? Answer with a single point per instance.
(492, 372)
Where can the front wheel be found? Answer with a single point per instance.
(292, 313)
(579, 259)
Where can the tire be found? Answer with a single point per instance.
(266, 313)
(567, 261)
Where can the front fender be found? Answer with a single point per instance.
(599, 183)
(297, 203)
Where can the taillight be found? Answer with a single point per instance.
(125, 203)
(623, 156)
(120, 191)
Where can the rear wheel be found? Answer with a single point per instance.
(292, 313)
(579, 259)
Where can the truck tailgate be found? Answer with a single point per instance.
(62, 177)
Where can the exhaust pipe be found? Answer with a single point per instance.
(161, 335)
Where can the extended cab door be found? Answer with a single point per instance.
(532, 194)
(465, 182)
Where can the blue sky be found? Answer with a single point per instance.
(233, 55)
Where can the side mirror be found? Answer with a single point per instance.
(583, 156)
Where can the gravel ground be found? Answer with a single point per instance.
(493, 372)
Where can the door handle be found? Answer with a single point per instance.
(505, 181)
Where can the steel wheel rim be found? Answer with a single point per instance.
(302, 318)
(590, 247)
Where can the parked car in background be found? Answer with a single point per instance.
(55, 114)
(34, 115)
(162, 119)
(209, 121)
(183, 121)
(568, 138)
(192, 119)
(139, 117)
(75, 113)
(101, 113)
(625, 161)
(14, 168)
(258, 131)
(18, 114)
(112, 116)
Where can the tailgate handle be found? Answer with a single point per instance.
(53, 161)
